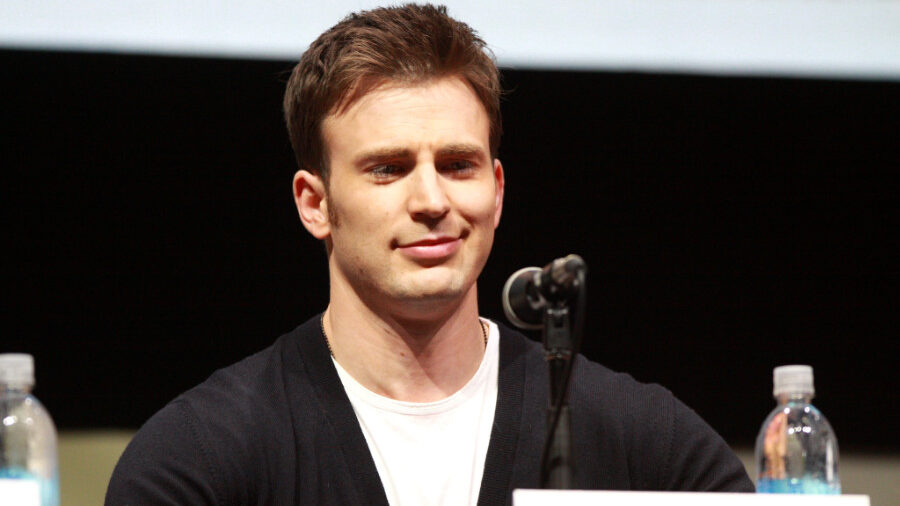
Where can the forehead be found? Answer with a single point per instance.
(414, 117)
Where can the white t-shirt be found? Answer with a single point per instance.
(431, 453)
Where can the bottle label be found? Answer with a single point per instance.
(23, 492)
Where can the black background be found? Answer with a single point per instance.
(730, 224)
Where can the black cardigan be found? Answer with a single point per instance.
(277, 428)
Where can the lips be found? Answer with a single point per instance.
(432, 248)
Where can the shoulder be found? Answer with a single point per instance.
(642, 435)
(592, 383)
(237, 393)
(247, 400)
(193, 448)
(600, 388)
(667, 444)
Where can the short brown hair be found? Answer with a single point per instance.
(408, 44)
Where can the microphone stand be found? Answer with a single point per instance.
(556, 462)
(560, 346)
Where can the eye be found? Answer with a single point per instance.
(460, 167)
(386, 171)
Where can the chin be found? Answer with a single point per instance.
(433, 291)
(432, 295)
(426, 306)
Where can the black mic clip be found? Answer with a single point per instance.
(559, 280)
(529, 292)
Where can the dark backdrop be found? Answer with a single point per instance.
(729, 224)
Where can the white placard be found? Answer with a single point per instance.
(524, 497)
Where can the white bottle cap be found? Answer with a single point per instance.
(793, 379)
(17, 369)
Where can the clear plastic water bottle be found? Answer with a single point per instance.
(796, 450)
(28, 467)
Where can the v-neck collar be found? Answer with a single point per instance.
(351, 442)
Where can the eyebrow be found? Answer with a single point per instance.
(451, 150)
(461, 150)
(382, 154)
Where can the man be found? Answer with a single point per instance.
(399, 392)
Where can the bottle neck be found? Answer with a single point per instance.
(794, 397)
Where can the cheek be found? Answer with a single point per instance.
(359, 218)
(479, 206)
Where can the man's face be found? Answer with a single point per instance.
(413, 194)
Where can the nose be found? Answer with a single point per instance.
(427, 195)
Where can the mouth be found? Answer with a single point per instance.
(435, 248)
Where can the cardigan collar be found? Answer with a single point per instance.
(349, 439)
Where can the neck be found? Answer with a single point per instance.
(402, 356)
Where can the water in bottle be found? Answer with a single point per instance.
(796, 450)
(28, 467)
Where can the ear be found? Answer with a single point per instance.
(312, 204)
(499, 185)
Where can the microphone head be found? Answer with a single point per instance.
(518, 306)
(558, 281)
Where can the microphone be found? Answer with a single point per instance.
(528, 291)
